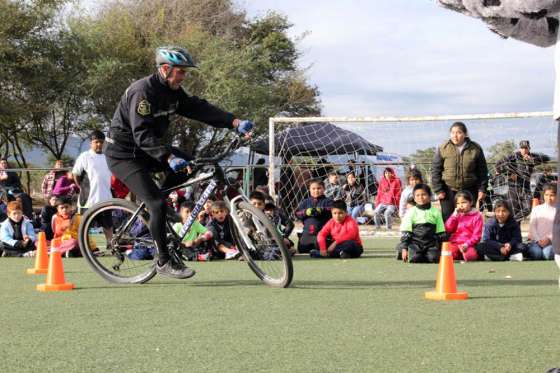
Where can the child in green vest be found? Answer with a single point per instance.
(194, 243)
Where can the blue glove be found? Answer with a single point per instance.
(244, 126)
(178, 164)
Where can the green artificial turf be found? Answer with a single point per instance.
(340, 315)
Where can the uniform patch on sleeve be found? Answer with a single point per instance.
(144, 108)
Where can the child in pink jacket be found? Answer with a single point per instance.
(464, 227)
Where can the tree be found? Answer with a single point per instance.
(498, 151)
(422, 159)
(245, 66)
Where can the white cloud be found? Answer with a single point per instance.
(396, 57)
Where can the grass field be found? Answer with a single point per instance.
(354, 315)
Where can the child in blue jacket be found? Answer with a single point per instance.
(16, 232)
(501, 239)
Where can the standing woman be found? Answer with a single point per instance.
(459, 164)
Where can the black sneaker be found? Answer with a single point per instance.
(344, 255)
(175, 270)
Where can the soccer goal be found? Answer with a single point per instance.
(301, 149)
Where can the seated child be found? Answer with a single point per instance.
(343, 233)
(315, 212)
(141, 251)
(65, 185)
(540, 226)
(387, 199)
(414, 177)
(284, 224)
(422, 229)
(65, 227)
(333, 189)
(195, 239)
(17, 236)
(257, 199)
(464, 227)
(222, 241)
(47, 212)
(501, 239)
(205, 216)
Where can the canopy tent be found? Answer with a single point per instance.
(317, 139)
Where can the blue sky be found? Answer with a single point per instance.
(411, 57)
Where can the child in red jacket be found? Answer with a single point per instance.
(340, 237)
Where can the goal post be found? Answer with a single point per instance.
(404, 135)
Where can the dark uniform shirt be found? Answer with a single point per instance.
(141, 120)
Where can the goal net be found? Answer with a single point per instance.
(308, 148)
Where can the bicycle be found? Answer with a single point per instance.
(261, 245)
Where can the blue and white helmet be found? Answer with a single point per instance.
(174, 56)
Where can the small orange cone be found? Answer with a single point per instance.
(55, 277)
(42, 257)
(446, 286)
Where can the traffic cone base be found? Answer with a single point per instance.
(434, 295)
(41, 258)
(446, 286)
(59, 287)
(55, 277)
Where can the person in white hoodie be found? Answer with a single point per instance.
(540, 226)
(17, 236)
(532, 21)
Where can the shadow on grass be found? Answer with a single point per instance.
(220, 283)
(359, 284)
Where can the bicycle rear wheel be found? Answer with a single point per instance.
(114, 241)
(262, 246)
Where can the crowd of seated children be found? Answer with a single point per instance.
(540, 226)
(501, 239)
(422, 229)
(314, 212)
(464, 228)
(17, 235)
(387, 199)
(222, 241)
(340, 237)
(195, 241)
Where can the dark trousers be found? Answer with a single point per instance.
(448, 203)
(351, 248)
(9, 250)
(307, 242)
(136, 175)
(491, 249)
(419, 254)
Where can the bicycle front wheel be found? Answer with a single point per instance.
(262, 246)
(116, 243)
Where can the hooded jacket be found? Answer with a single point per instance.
(465, 228)
(510, 232)
(389, 190)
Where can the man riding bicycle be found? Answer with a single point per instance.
(136, 146)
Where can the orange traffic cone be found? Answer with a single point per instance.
(41, 258)
(55, 277)
(446, 286)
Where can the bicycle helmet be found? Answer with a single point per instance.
(174, 56)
